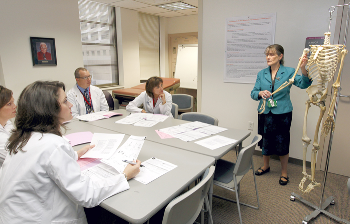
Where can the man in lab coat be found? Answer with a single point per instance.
(86, 98)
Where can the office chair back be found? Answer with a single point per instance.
(184, 101)
(196, 116)
(175, 110)
(186, 207)
(243, 163)
(109, 99)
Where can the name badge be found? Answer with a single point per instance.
(272, 103)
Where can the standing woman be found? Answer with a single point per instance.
(40, 181)
(155, 100)
(7, 111)
(274, 124)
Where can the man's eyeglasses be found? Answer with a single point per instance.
(86, 77)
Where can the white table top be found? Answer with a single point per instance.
(151, 135)
(141, 202)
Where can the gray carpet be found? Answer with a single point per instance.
(275, 204)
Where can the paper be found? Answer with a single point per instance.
(146, 123)
(211, 130)
(142, 118)
(153, 168)
(190, 135)
(128, 151)
(105, 145)
(246, 39)
(194, 125)
(216, 142)
(99, 173)
(87, 163)
(175, 130)
(163, 135)
(97, 116)
(79, 138)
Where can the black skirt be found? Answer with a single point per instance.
(275, 132)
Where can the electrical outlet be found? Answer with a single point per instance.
(250, 125)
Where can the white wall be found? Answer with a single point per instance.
(183, 24)
(20, 20)
(296, 20)
(128, 47)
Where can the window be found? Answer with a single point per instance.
(98, 36)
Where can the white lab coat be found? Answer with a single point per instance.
(147, 102)
(43, 184)
(99, 101)
(5, 133)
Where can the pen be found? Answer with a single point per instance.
(131, 162)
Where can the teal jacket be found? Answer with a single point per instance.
(263, 82)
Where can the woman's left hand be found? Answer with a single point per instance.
(83, 150)
(162, 96)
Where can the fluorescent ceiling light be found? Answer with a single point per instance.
(175, 6)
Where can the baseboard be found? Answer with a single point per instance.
(290, 160)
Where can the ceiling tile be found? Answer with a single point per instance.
(191, 2)
(170, 14)
(189, 11)
(129, 4)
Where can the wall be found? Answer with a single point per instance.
(296, 20)
(183, 24)
(128, 47)
(20, 20)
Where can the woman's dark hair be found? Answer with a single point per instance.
(278, 49)
(38, 110)
(151, 83)
(5, 96)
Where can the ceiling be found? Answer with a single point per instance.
(149, 6)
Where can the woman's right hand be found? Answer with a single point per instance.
(132, 170)
(265, 94)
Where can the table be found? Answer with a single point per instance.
(151, 135)
(141, 202)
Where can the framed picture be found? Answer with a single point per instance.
(43, 51)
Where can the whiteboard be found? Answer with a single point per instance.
(187, 65)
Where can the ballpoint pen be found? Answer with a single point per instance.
(131, 162)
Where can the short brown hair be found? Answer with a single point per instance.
(76, 72)
(151, 83)
(5, 96)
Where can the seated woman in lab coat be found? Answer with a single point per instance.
(155, 100)
(40, 180)
(7, 111)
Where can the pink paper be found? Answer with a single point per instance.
(111, 114)
(86, 163)
(79, 138)
(163, 135)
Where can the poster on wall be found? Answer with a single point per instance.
(246, 39)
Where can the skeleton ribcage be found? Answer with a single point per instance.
(323, 63)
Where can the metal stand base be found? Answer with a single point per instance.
(314, 214)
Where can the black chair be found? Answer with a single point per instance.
(109, 99)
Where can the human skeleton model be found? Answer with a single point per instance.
(322, 65)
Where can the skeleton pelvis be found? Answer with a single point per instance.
(315, 95)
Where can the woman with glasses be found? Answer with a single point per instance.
(86, 98)
(155, 100)
(274, 124)
(40, 180)
(7, 111)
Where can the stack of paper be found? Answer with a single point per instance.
(97, 116)
(216, 142)
(79, 138)
(143, 119)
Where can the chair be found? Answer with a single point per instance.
(109, 99)
(174, 110)
(228, 175)
(196, 116)
(186, 207)
(184, 101)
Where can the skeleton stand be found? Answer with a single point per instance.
(330, 200)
